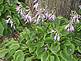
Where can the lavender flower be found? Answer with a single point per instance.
(46, 15)
(35, 4)
(57, 37)
(38, 15)
(18, 7)
(52, 17)
(70, 28)
(27, 18)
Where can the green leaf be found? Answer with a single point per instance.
(44, 56)
(70, 49)
(16, 20)
(18, 56)
(10, 53)
(14, 46)
(11, 42)
(29, 58)
(0, 13)
(60, 17)
(1, 1)
(31, 49)
(79, 48)
(39, 52)
(66, 56)
(3, 52)
(55, 48)
(39, 29)
(51, 58)
(1, 8)
(1, 29)
(56, 58)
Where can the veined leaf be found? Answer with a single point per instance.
(3, 52)
(29, 58)
(54, 48)
(14, 46)
(18, 56)
(56, 58)
(39, 52)
(44, 56)
(1, 8)
(51, 58)
(1, 1)
(10, 53)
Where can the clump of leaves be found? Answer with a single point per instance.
(36, 42)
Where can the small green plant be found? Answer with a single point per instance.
(36, 42)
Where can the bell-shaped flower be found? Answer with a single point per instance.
(46, 15)
(57, 37)
(77, 20)
(27, 19)
(18, 7)
(52, 17)
(36, 6)
(70, 28)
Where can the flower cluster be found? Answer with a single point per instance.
(36, 16)
(56, 35)
(73, 20)
(10, 23)
(49, 16)
(23, 13)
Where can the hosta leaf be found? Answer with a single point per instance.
(40, 44)
(44, 57)
(55, 48)
(1, 8)
(39, 52)
(51, 58)
(11, 42)
(79, 48)
(31, 49)
(1, 29)
(56, 58)
(10, 53)
(0, 13)
(18, 56)
(1, 1)
(60, 17)
(14, 46)
(3, 52)
(66, 56)
(16, 20)
(61, 59)
(70, 49)
(39, 29)
(29, 58)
